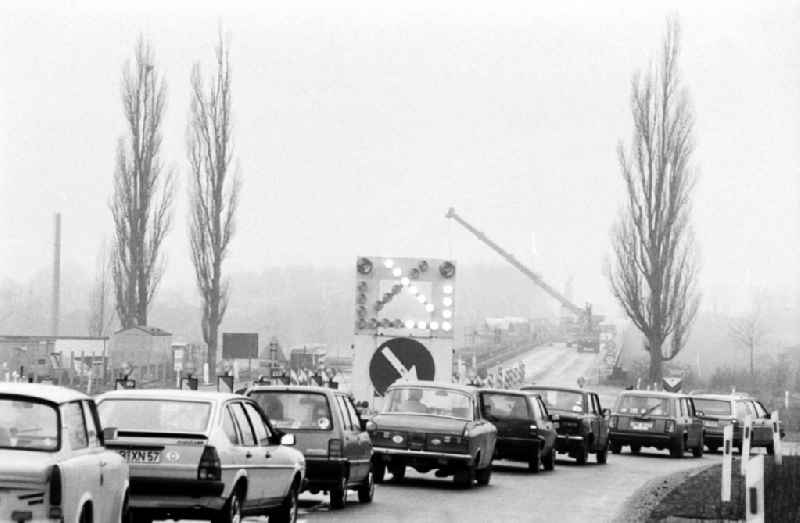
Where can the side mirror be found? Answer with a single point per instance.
(555, 417)
(110, 434)
(606, 413)
(288, 440)
(368, 425)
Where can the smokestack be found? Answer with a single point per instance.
(56, 276)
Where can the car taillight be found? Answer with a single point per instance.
(210, 467)
(335, 448)
(55, 485)
(613, 422)
(669, 426)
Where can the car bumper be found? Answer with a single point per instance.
(645, 439)
(568, 442)
(519, 448)
(324, 473)
(440, 458)
(176, 497)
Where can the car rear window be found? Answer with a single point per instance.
(505, 406)
(707, 407)
(28, 425)
(434, 401)
(561, 399)
(295, 410)
(155, 415)
(643, 405)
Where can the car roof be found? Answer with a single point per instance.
(532, 388)
(51, 393)
(292, 388)
(653, 393)
(723, 397)
(436, 384)
(515, 392)
(170, 394)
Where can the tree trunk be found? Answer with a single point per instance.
(654, 347)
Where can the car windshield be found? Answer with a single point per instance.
(155, 415)
(707, 407)
(561, 399)
(295, 410)
(28, 424)
(643, 405)
(434, 401)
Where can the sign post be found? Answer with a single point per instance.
(727, 461)
(776, 438)
(754, 490)
(746, 433)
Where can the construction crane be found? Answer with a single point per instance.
(589, 336)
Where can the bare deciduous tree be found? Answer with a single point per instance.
(143, 190)
(100, 299)
(749, 332)
(214, 191)
(654, 270)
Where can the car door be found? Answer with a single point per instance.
(542, 417)
(347, 432)
(113, 469)
(251, 457)
(362, 449)
(81, 477)
(599, 423)
(274, 461)
(695, 423)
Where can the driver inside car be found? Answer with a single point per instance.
(414, 403)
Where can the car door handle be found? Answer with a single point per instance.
(248, 454)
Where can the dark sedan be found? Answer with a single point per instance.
(582, 424)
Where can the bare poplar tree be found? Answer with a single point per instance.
(749, 332)
(214, 191)
(143, 190)
(101, 313)
(653, 273)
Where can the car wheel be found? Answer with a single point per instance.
(712, 448)
(616, 448)
(582, 453)
(602, 454)
(398, 472)
(378, 470)
(635, 449)
(676, 448)
(367, 491)
(465, 478)
(288, 512)
(549, 460)
(86, 515)
(484, 475)
(125, 515)
(534, 463)
(338, 494)
(232, 511)
(697, 452)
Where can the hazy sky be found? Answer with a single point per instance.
(356, 127)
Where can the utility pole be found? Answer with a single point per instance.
(56, 276)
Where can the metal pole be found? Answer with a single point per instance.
(56, 276)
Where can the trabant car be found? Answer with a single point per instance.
(582, 422)
(53, 462)
(718, 410)
(664, 420)
(201, 455)
(433, 426)
(329, 432)
(525, 430)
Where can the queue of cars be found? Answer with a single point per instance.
(140, 455)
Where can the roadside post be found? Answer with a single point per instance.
(776, 438)
(205, 373)
(754, 490)
(786, 399)
(727, 460)
(746, 431)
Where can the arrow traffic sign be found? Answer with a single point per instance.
(400, 359)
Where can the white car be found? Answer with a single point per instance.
(53, 464)
(201, 455)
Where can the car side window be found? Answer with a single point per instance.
(229, 426)
(92, 425)
(536, 407)
(351, 410)
(761, 412)
(597, 402)
(340, 406)
(262, 436)
(248, 439)
(72, 414)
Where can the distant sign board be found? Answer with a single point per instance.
(239, 345)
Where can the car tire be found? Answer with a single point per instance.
(676, 449)
(549, 460)
(534, 462)
(232, 511)
(86, 515)
(288, 512)
(338, 494)
(125, 514)
(635, 449)
(602, 454)
(771, 449)
(712, 448)
(615, 448)
(378, 470)
(398, 472)
(465, 478)
(484, 475)
(697, 452)
(582, 453)
(367, 491)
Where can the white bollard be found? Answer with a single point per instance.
(754, 490)
(786, 399)
(776, 438)
(747, 430)
(205, 373)
(727, 461)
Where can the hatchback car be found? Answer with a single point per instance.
(433, 426)
(719, 410)
(525, 430)
(202, 455)
(328, 432)
(582, 423)
(53, 462)
(663, 420)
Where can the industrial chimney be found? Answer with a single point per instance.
(56, 276)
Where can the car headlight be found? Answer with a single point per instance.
(613, 422)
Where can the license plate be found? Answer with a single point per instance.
(641, 425)
(141, 456)
(711, 423)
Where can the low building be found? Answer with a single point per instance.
(147, 350)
